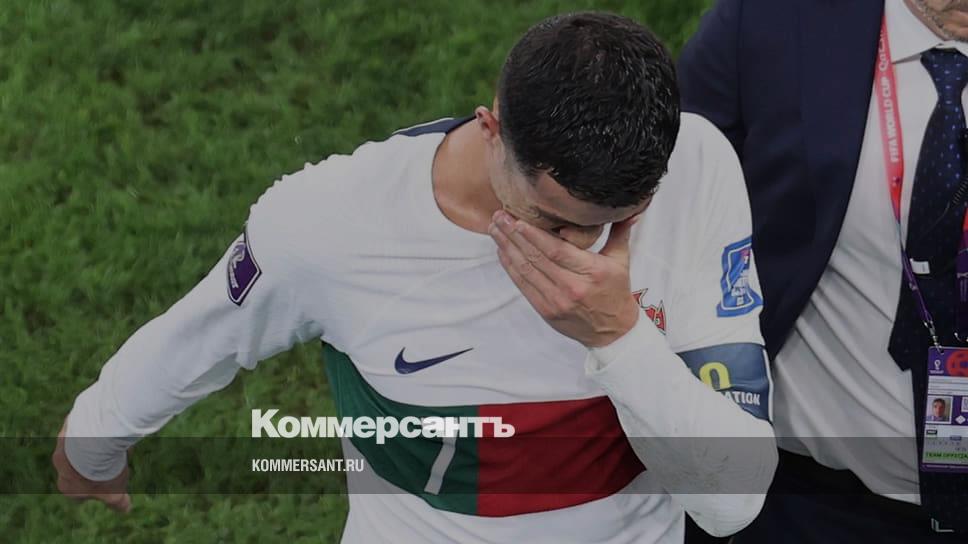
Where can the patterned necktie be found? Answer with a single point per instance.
(939, 170)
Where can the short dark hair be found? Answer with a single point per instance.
(592, 99)
(940, 401)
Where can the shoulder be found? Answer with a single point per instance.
(702, 202)
(329, 212)
(703, 167)
(323, 199)
(351, 188)
(700, 139)
(692, 250)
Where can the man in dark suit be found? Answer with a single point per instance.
(790, 84)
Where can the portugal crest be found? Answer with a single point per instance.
(656, 313)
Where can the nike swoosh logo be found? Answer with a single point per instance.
(403, 366)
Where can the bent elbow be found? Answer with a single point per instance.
(733, 516)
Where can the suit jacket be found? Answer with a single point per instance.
(789, 82)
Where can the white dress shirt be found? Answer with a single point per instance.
(837, 387)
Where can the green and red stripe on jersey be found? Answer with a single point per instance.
(563, 453)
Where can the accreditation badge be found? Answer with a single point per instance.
(946, 414)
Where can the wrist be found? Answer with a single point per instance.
(643, 336)
(626, 322)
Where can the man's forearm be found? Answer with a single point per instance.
(715, 458)
(138, 391)
(200, 343)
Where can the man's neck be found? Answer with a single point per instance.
(461, 187)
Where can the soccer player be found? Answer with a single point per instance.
(524, 263)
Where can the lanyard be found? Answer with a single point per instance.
(885, 85)
(961, 275)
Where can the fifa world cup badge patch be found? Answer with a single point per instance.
(739, 298)
(241, 271)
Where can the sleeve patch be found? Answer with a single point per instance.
(739, 298)
(241, 271)
(738, 371)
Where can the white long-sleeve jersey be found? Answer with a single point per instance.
(419, 318)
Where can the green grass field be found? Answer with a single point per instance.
(135, 136)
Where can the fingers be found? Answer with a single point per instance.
(119, 502)
(617, 245)
(545, 247)
(510, 233)
(531, 281)
(78, 488)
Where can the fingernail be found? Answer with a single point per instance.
(505, 220)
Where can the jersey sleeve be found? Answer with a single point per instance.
(255, 302)
(716, 291)
(694, 401)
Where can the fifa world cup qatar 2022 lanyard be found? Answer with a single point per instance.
(946, 414)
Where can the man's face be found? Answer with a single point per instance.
(946, 17)
(547, 205)
(938, 408)
(542, 202)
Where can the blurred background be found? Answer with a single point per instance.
(134, 137)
